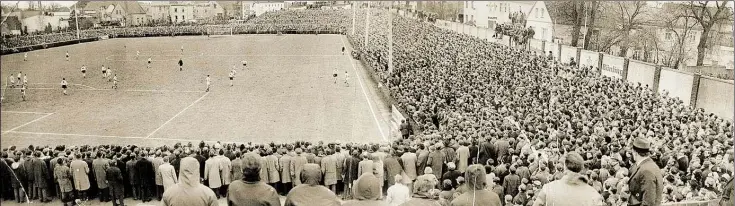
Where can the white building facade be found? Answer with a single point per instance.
(180, 13)
(487, 14)
(260, 8)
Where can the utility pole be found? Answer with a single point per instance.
(367, 23)
(584, 9)
(354, 10)
(76, 19)
(390, 42)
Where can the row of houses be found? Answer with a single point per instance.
(551, 22)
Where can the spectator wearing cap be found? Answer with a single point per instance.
(100, 165)
(329, 169)
(236, 166)
(404, 129)
(251, 190)
(311, 192)
(350, 171)
(398, 193)
(646, 181)
(572, 189)
(273, 168)
(511, 182)
(728, 196)
(392, 167)
(146, 176)
(296, 166)
(62, 175)
(212, 173)
(225, 171)
(189, 191)
(463, 157)
(285, 170)
(80, 169)
(116, 183)
(409, 166)
(366, 165)
(451, 174)
(476, 194)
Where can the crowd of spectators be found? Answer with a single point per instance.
(499, 125)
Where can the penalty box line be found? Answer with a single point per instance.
(27, 123)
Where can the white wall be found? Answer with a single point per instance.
(39, 22)
(181, 13)
(261, 8)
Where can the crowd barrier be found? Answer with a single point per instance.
(712, 94)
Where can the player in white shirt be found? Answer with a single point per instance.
(232, 75)
(20, 74)
(244, 64)
(182, 49)
(63, 84)
(137, 54)
(149, 62)
(114, 82)
(12, 81)
(25, 56)
(335, 75)
(109, 73)
(84, 71)
(23, 92)
(347, 79)
(25, 79)
(208, 82)
(67, 55)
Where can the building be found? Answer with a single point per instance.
(159, 11)
(208, 10)
(122, 13)
(487, 14)
(261, 7)
(181, 13)
(36, 21)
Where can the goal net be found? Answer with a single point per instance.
(219, 31)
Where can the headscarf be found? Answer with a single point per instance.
(189, 174)
(367, 187)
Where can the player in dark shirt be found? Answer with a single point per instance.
(181, 65)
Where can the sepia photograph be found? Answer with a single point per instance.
(367, 103)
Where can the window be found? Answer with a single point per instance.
(177, 18)
(176, 10)
(668, 35)
(182, 10)
(537, 12)
(542, 12)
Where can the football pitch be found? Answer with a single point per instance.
(286, 93)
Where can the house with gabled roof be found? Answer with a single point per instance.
(124, 13)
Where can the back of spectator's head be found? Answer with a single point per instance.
(475, 177)
(251, 167)
(574, 162)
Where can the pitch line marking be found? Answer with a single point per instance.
(266, 55)
(69, 84)
(177, 114)
(27, 123)
(128, 90)
(22, 112)
(370, 105)
(118, 137)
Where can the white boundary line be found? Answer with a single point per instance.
(21, 112)
(27, 123)
(112, 136)
(359, 79)
(128, 90)
(177, 114)
(59, 84)
(266, 55)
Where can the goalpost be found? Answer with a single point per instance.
(220, 31)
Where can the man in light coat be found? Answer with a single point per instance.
(572, 189)
(463, 156)
(157, 162)
(409, 166)
(80, 172)
(168, 174)
(297, 164)
(285, 169)
(237, 167)
(212, 170)
(225, 171)
(62, 175)
(272, 167)
(100, 165)
(329, 170)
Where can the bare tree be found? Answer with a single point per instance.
(677, 22)
(627, 16)
(569, 13)
(592, 13)
(707, 17)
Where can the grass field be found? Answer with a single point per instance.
(286, 93)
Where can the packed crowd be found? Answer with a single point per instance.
(501, 126)
(462, 88)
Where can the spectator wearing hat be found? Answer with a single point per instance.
(409, 166)
(100, 165)
(476, 194)
(285, 170)
(296, 166)
(728, 196)
(350, 171)
(646, 181)
(392, 168)
(225, 171)
(189, 191)
(310, 192)
(80, 169)
(424, 193)
(62, 175)
(251, 190)
(212, 173)
(571, 189)
(422, 158)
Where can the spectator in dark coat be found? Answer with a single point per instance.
(146, 176)
(115, 182)
(17, 184)
(131, 169)
(350, 171)
(63, 176)
(40, 175)
(511, 182)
